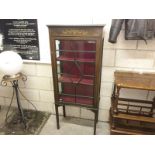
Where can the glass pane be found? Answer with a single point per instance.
(82, 51)
(76, 70)
(76, 45)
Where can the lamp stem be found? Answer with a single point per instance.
(15, 87)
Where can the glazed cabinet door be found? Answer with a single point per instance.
(75, 61)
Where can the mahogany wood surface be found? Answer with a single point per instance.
(137, 120)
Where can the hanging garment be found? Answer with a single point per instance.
(135, 29)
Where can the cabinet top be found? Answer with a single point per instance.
(91, 25)
(76, 30)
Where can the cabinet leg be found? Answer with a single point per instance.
(64, 111)
(97, 117)
(95, 121)
(57, 116)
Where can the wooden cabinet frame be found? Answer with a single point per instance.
(80, 36)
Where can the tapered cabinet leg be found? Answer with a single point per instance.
(64, 110)
(95, 121)
(57, 116)
(97, 116)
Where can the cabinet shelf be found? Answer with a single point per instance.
(75, 80)
(76, 99)
(77, 95)
(65, 58)
(72, 51)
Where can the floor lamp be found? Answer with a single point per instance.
(11, 65)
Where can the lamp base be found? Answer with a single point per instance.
(13, 79)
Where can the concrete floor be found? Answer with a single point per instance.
(74, 126)
(68, 125)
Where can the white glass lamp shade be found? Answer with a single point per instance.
(10, 63)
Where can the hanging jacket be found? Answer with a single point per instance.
(135, 29)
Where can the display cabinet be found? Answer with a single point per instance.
(76, 56)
